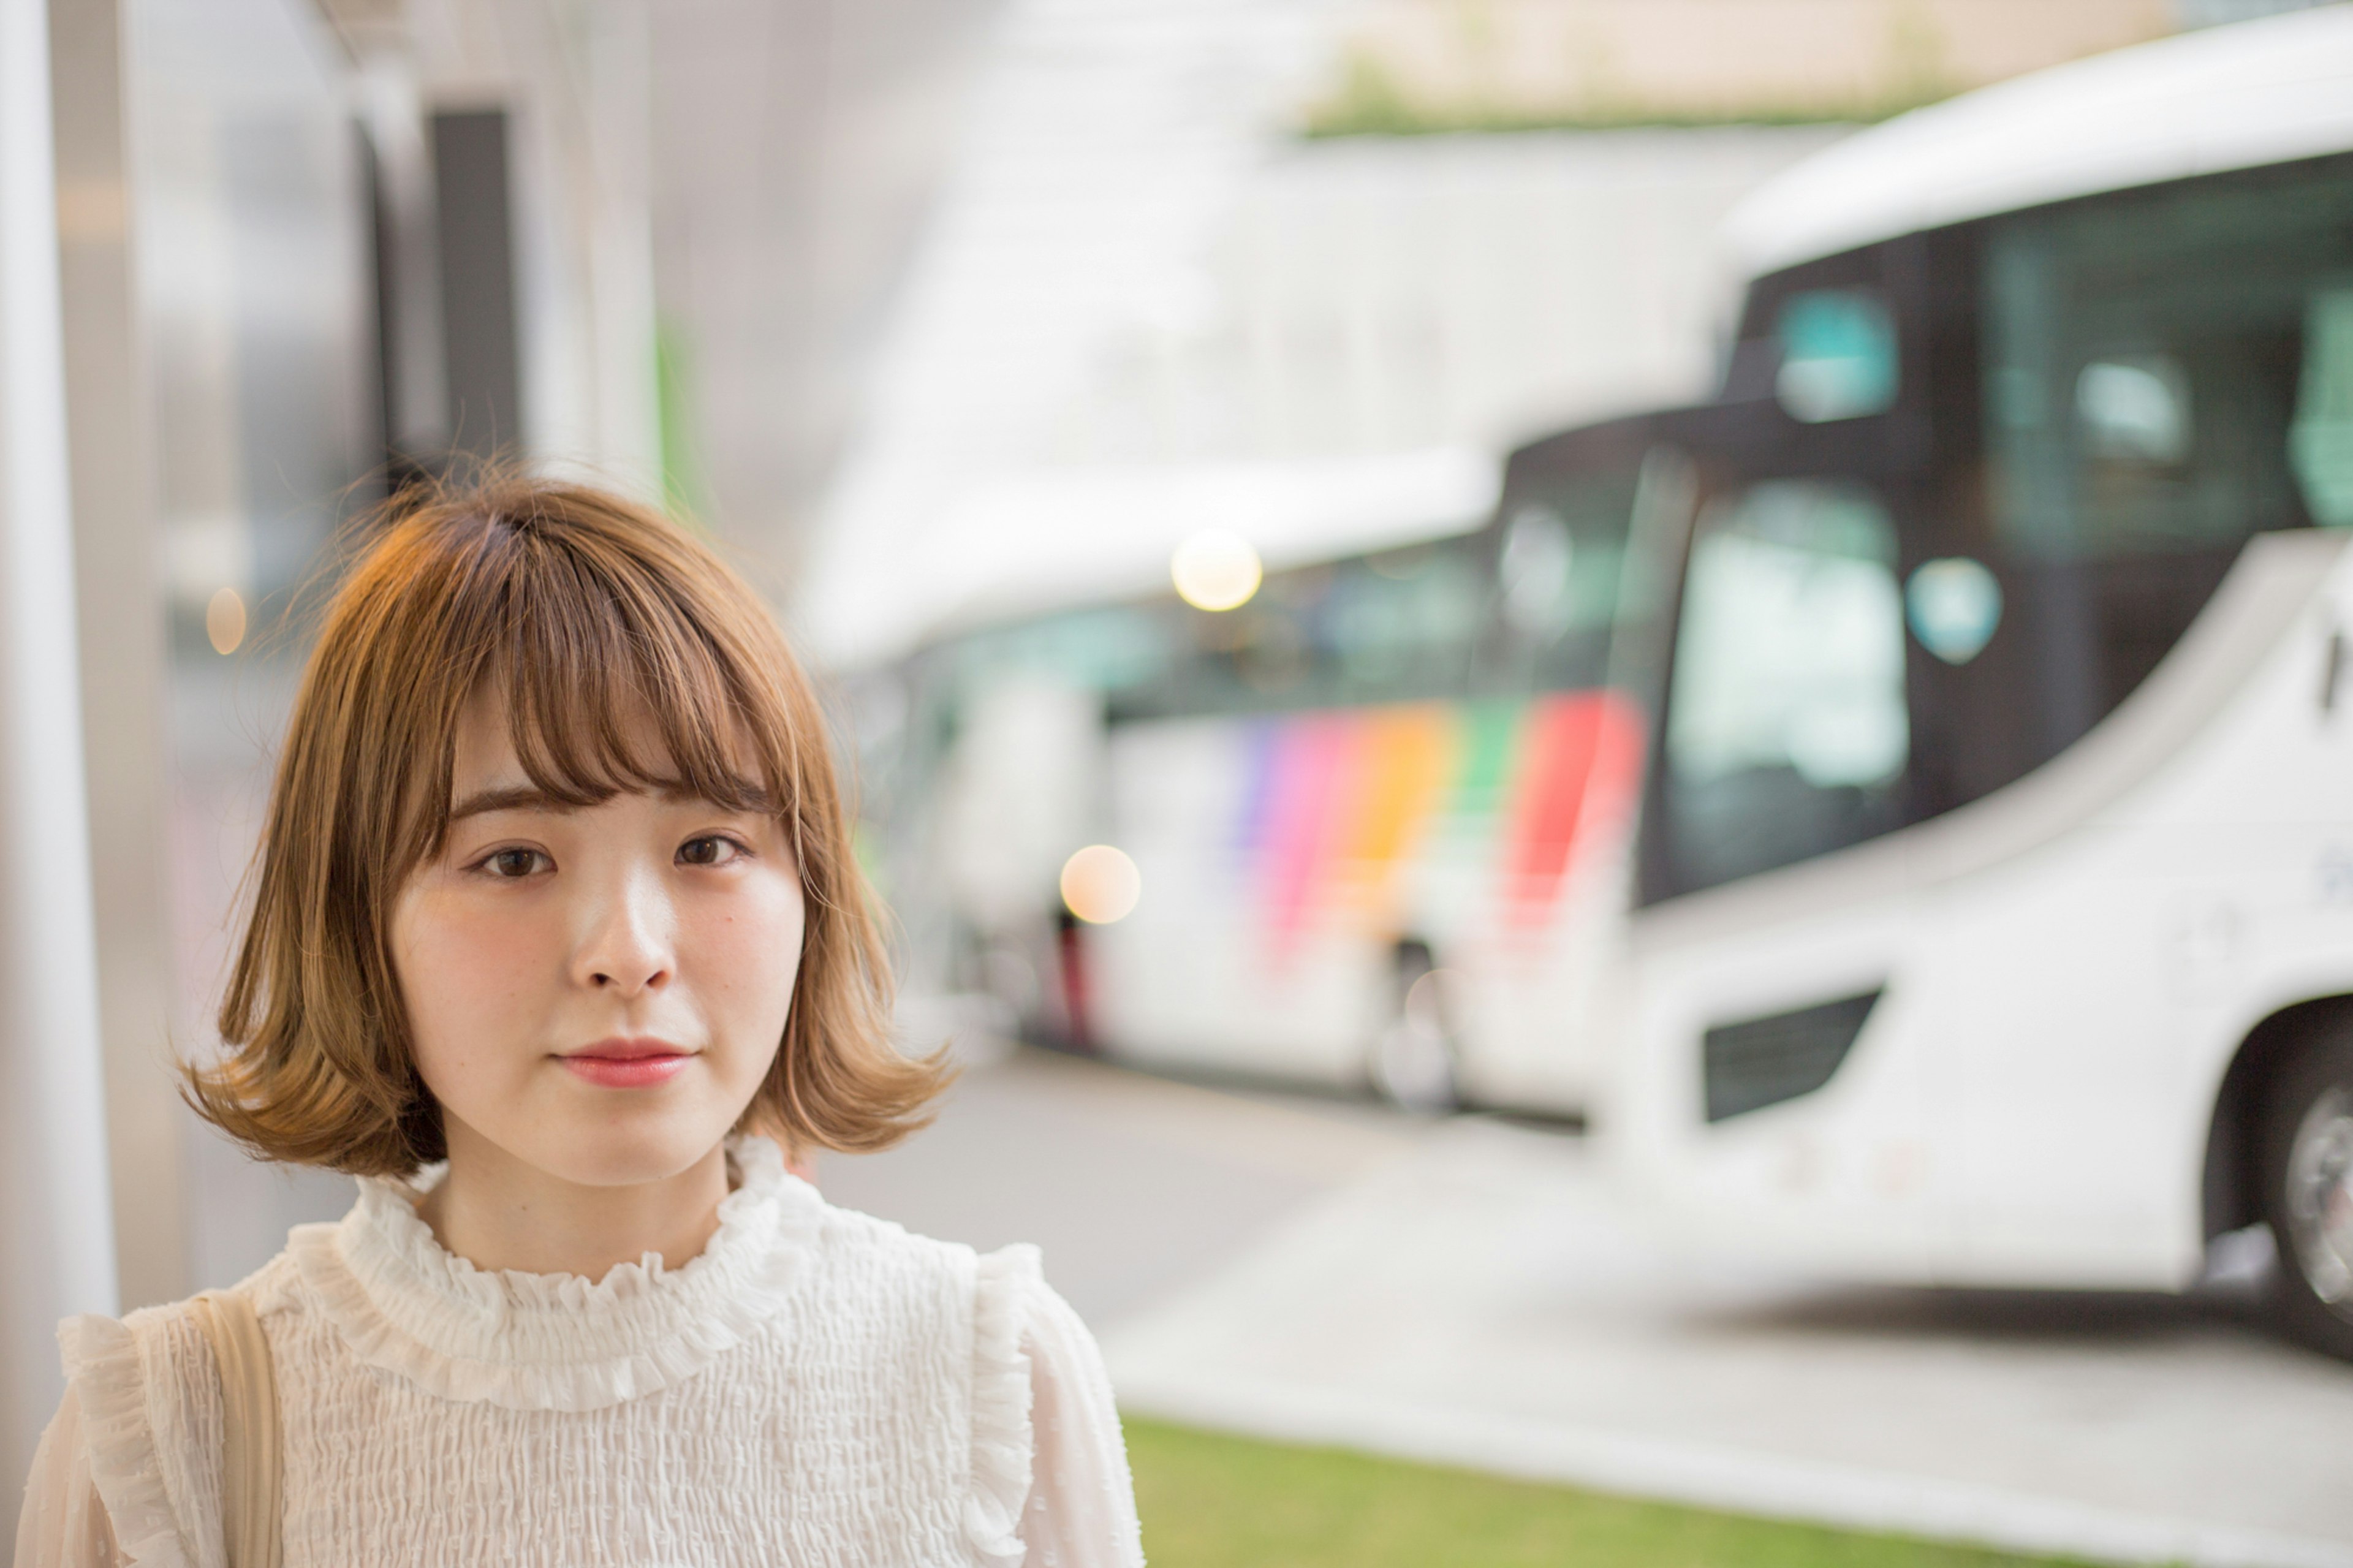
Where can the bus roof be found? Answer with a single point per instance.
(1042, 543)
(2233, 96)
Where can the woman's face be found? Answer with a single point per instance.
(593, 991)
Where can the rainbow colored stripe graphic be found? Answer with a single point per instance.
(1336, 803)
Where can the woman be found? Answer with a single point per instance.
(557, 943)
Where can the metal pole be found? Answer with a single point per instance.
(57, 1235)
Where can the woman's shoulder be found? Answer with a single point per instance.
(148, 1388)
(882, 1272)
(166, 1344)
(900, 1287)
(845, 1235)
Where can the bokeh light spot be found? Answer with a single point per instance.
(1216, 570)
(1100, 884)
(224, 621)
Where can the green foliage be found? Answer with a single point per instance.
(682, 478)
(1370, 100)
(1211, 1501)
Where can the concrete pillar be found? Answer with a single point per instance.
(124, 657)
(57, 1245)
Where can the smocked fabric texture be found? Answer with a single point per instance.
(818, 1387)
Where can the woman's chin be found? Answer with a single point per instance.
(621, 1152)
(639, 1163)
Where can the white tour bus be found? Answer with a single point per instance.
(1907, 801)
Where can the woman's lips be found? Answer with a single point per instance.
(628, 1067)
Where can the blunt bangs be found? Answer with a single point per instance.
(609, 684)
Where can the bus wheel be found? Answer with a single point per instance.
(2307, 1171)
(1413, 1057)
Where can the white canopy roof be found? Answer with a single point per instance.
(2227, 98)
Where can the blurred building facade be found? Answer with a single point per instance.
(1428, 65)
(1193, 288)
(1302, 241)
(1420, 66)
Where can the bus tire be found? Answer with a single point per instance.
(2306, 1149)
(1413, 1062)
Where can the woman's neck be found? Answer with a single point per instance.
(499, 1213)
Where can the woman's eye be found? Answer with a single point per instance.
(510, 864)
(707, 850)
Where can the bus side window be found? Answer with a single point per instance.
(1787, 731)
(1396, 625)
(2164, 376)
(1393, 627)
(2320, 441)
(1558, 567)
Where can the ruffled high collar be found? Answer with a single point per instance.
(557, 1341)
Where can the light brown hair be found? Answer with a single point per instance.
(596, 621)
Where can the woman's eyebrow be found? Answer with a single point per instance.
(745, 797)
(508, 797)
(748, 797)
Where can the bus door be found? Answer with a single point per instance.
(1762, 956)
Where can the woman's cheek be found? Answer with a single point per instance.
(753, 943)
(472, 966)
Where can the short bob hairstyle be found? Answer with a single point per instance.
(629, 656)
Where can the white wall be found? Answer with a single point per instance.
(1380, 294)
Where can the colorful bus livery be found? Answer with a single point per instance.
(1337, 807)
(1300, 869)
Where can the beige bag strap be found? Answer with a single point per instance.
(252, 1459)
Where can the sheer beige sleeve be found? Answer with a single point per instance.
(64, 1524)
(1081, 1508)
(130, 1471)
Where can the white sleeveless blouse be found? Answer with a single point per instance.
(818, 1387)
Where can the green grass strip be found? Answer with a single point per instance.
(1210, 1501)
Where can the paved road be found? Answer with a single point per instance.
(1466, 1291)
(1137, 1188)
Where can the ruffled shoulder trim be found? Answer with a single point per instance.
(1002, 1440)
(102, 1360)
(556, 1341)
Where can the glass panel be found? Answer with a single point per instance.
(1093, 650)
(1377, 621)
(1558, 575)
(1787, 729)
(2147, 353)
(1396, 626)
(1838, 355)
(2320, 443)
(1527, 607)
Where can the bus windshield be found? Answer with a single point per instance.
(1788, 732)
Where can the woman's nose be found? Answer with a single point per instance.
(626, 943)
